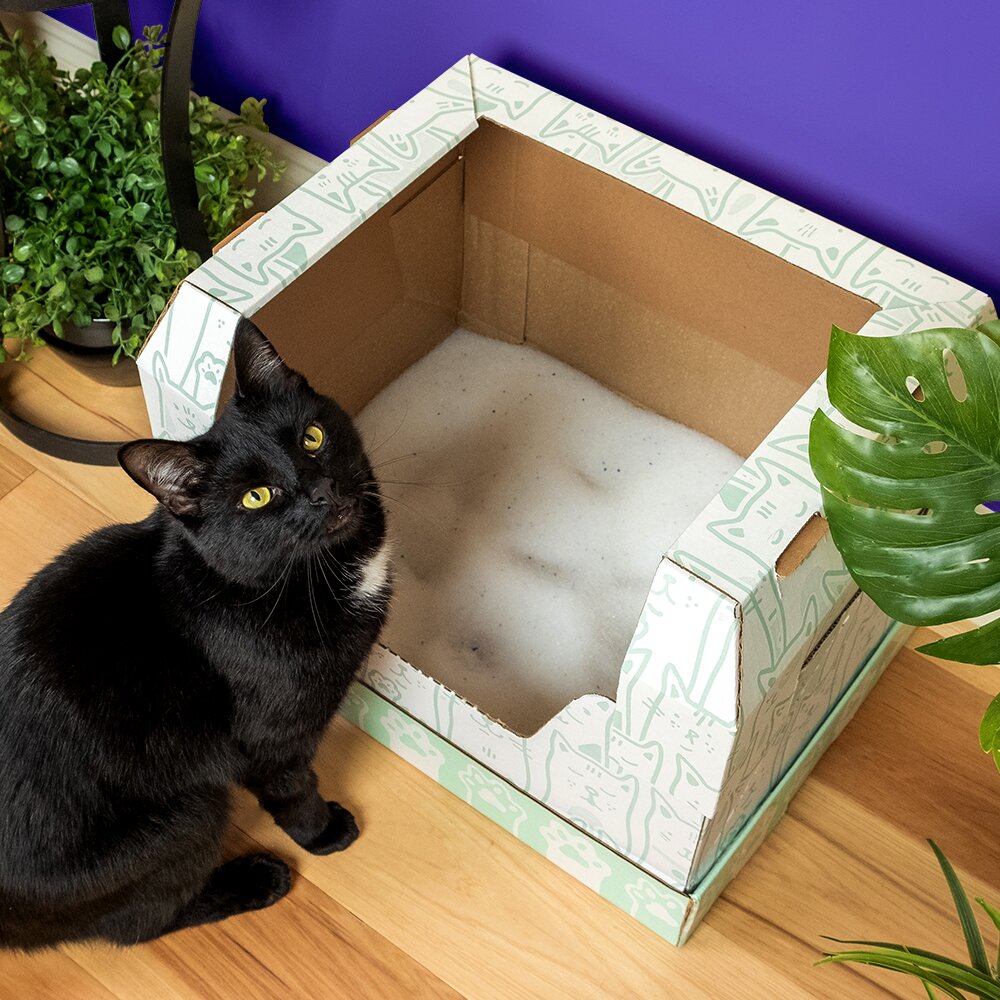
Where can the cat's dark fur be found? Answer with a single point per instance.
(152, 666)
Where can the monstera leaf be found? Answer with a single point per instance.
(912, 489)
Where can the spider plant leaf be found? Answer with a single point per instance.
(966, 915)
(994, 915)
(946, 975)
(894, 946)
(940, 984)
(902, 501)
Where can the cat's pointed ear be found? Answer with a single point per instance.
(259, 369)
(170, 470)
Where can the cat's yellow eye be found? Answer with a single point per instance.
(312, 440)
(259, 496)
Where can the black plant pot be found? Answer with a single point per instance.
(91, 347)
(93, 339)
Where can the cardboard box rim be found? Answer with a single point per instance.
(474, 90)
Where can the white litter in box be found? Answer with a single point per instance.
(530, 507)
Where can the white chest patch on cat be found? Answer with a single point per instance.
(373, 573)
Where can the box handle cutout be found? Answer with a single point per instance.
(798, 549)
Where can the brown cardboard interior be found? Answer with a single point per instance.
(380, 299)
(518, 241)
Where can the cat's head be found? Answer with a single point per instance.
(281, 474)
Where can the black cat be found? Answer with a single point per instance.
(151, 666)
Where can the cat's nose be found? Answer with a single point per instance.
(341, 509)
(320, 491)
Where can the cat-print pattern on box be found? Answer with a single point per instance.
(642, 777)
(667, 911)
(664, 774)
(182, 363)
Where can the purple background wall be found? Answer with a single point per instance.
(884, 116)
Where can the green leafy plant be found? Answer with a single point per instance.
(911, 481)
(88, 222)
(909, 468)
(952, 978)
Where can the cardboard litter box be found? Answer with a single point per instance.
(491, 203)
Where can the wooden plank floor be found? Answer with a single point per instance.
(434, 901)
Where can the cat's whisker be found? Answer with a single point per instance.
(413, 510)
(320, 631)
(277, 580)
(309, 593)
(286, 576)
(211, 597)
(327, 560)
(277, 600)
(394, 461)
(322, 565)
(399, 427)
(316, 598)
(423, 482)
(322, 569)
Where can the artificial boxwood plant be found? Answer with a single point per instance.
(88, 222)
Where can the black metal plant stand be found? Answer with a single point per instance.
(178, 170)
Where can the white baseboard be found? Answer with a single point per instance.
(73, 49)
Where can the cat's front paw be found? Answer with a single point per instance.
(254, 881)
(341, 831)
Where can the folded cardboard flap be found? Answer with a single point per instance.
(745, 841)
(784, 722)
(349, 321)
(159, 320)
(227, 239)
(494, 281)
